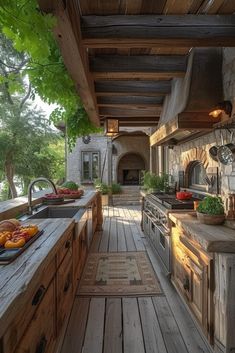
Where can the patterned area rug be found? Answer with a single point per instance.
(118, 274)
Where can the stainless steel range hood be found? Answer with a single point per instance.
(186, 110)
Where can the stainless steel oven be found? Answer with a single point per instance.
(155, 227)
(161, 242)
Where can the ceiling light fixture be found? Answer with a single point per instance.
(111, 127)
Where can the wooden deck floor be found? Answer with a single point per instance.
(159, 324)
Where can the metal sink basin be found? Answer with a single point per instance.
(57, 212)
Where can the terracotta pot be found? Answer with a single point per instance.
(210, 219)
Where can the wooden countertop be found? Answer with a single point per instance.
(84, 201)
(211, 238)
(17, 277)
(14, 207)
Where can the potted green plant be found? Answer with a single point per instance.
(211, 210)
(104, 190)
(116, 188)
(155, 183)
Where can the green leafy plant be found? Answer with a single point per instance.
(211, 205)
(153, 182)
(30, 32)
(102, 187)
(70, 185)
(116, 188)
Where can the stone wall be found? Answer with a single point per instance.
(122, 145)
(97, 143)
(181, 155)
(130, 144)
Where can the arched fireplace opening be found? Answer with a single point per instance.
(129, 169)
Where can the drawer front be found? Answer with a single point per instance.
(36, 296)
(65, 248)
(64, 291)
(40, 335)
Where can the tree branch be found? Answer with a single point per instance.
(26, 96)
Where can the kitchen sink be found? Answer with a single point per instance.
(56, 212)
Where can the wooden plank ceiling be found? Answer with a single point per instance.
(123, 54)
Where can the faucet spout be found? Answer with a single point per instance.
(30, 188)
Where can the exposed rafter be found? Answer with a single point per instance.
(113, 112)
(143, 66)
(132, 100)
(152, 88)
(145, 31)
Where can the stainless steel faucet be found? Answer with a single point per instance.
(30, 207)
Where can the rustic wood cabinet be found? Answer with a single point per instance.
(43, 282)
(40, 335)
(192, 275)
(36, 295)
(80, 251)
(64, 291)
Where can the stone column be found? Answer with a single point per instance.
(152, 156)
(109, 158)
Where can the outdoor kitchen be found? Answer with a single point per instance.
(117, 231)
(196, 249)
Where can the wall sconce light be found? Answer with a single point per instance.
(225, 106)
(111, 127)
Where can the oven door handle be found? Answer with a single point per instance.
(163, 230)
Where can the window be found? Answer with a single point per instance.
(90, 166)
(197, 175)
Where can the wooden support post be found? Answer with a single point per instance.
(99, 213)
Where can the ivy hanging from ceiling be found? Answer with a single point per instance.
(31, 32)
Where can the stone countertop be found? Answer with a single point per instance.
(15, 207)
(210, 238)
(18, 277)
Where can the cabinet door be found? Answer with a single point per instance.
(198, 297)
(64, 291)
(34, 297)
(40, 335)
(65, 248)
(78, 244)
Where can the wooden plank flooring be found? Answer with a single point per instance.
(159, 324)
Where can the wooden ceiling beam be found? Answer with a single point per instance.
(135, 118)
(132, 100)
(115, 112)
(122, 94)
(138, 63)
(132, 106)
(137, 75)
(74, 57)
(150, 88)
(143, 124)
(144, 31)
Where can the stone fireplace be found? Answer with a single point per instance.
(129, 169)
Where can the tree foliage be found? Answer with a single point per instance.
(31, 33)
(25, 135)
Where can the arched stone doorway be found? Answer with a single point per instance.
(129, 168)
